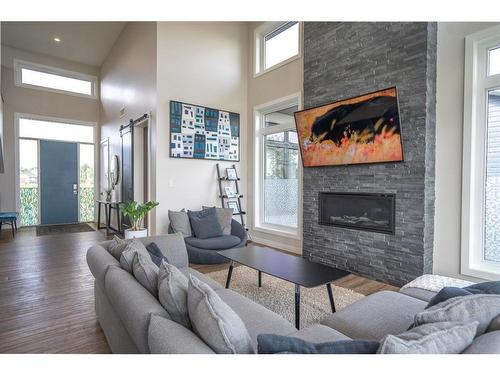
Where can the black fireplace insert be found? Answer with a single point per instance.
(363, 211)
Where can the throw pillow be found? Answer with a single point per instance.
(215, 322)
(433, 338)
(173, 292)
(482, 308)
(155, 253)
(179, 221)
(494, 325)
(146, 273)
(274, 344)
(117, 246)
(204, 223)
(127, 257)
(490, 287)
(224, 217)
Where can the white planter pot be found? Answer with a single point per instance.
(129, 233)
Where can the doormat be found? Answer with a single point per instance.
(44, 230)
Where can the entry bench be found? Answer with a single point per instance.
(9, 218)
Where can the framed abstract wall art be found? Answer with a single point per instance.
(360, 130)
(198, 132)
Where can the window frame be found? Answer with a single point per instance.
(22, 64)
(261, 131)
(259, 47)
(477, 83)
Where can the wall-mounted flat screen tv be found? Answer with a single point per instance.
(360, 130)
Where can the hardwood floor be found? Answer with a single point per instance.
(46, 293)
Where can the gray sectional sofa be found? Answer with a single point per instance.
(135, 322)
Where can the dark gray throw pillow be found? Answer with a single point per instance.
(274, 344)
(489, 287)
(155, 254)
(204, 223)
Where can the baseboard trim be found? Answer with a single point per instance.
(276, 244)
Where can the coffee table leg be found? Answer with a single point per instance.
(330, 296)
(229, 275)
(297, 306)
(260, 279)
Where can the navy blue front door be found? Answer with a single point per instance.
(58, 182)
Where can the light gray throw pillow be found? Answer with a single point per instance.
(432, 338)
(117, 246)
(215, 322)
(127, 257)
(179, 221)
(482, 308)
(173, 292)
(146, 272)
(224, 217)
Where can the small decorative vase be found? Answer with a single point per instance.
(113, 197)
(129, 233)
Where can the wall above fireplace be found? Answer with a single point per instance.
(343, 60)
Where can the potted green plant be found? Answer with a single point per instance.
(136, 212)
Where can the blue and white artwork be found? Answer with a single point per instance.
(197, 132)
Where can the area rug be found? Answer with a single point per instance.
(279, 296)
(44, 230)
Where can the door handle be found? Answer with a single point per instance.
(75, 189)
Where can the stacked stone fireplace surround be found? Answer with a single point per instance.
(343, 60)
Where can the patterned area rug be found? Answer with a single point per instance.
(279, 296)
(44, 230)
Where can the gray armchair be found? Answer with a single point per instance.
(204, 251)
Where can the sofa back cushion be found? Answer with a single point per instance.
(204, 223)
(146, 273)
(172, 247)
(489, 343)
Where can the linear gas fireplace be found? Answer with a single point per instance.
(362, 211)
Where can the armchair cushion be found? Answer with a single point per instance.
(204, 223)
(214, 243)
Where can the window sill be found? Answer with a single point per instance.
(278, 231)
(482, 271)
(277, 66)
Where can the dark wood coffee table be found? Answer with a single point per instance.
(294, 269)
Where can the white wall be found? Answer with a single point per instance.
(36, 102)
(1, 116)
(205, 64)
(449, 128)
(275, 84)
(128, 80)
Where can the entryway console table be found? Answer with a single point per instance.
(108, 206)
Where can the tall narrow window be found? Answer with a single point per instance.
(86, 182)
(28, 182)
(481, 190)
(278, 176)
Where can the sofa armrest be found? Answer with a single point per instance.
(98, 260)
(168, 337)
(238, 230)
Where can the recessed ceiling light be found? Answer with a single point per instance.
(57, 40)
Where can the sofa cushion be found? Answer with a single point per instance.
(275, 344)
(128, 255)
(482, 308)
(224, 216)
(117, 246)
(256, 317)
(376, 315)
(489, 343)
(133, 304)
(319, 333)
(179, 221)
(172, 247)
(433, 338)
(214, 243)
(187, 271)
(204, 223)
(215, 322)
(146, 273)
(172, 293)
(167, 337)
(489, 287)
(155, 253)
